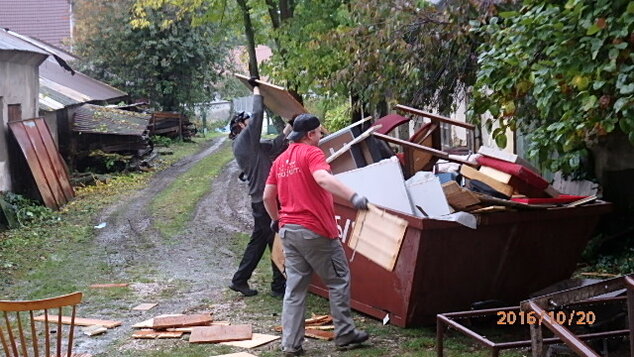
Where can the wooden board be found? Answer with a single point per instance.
(182, 321)
(276, 98)
(258, 339)
(45, 162)
(378, 236)
(189, 329)
(474, 174)
(459, 198)
(80, 321)
(277, 254)
(149, 322)
(496, 174)
(94, 330)
(214, 334)
(144, 307)
(333, 143)
(98, 286)
(318, 320)
(152, 334)
(319, 334)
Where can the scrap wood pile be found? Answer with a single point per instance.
(172, 125)
(423, 181)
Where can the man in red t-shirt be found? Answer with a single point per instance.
(301, 182)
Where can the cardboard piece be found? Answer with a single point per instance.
(276, 98)
(277, 254)
(144, 307)
(152, 334)
(382, 183)
(378, 236)
(473, 174)
(182, 321)
(319, 334)
(258, 339)
(215, 334)
(459, 198)
(425, 191)
(80, 321)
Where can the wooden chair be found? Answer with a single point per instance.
(19, 328)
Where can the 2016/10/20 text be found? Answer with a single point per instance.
(569, 318)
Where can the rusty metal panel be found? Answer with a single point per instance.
(45, 162)
(101, 120)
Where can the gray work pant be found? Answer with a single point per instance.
(307, 252)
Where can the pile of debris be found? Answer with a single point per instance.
(172, 125)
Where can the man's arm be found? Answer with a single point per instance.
(330, 183)
(254, 129)
(270, 201)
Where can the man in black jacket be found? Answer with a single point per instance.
(254, 156)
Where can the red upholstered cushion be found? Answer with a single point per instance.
(517, 170)
(389, 122)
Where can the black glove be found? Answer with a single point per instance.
(275, 226)
(359, 202)
(252, 81)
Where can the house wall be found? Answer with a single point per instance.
(19, 84)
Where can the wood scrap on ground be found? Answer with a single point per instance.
(258, 339)
(98, 286)
(189, 329)
(153, 334)
(319, 334)
(181, 321)
(239, 354)
(215, 334)
(94, 330)
(144, 307)
(80, 321)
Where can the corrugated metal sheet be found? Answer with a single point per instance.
(12, 43)
(44, 160)
(47, 20)
(101, 120)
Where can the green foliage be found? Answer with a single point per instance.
(163, 141)
(334, 111)
(29, 212)
(169, 60)
(561, 72)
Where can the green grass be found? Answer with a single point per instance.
(172, 209)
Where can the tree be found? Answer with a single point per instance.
(561, 72)
(171, 60)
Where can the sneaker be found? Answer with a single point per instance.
(277, 294)
(352, 338)
(299, 352)
(243, 289)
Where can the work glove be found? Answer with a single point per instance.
(359, 202)
(275, 226)
(252, 81)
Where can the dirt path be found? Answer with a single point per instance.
(183, 273)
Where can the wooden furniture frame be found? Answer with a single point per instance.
(16, 334)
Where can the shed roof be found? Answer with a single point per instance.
(11, 43)
(101, 120)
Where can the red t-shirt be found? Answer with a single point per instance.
(302, 200)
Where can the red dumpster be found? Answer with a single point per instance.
(444, 266)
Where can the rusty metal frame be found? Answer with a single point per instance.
(446, 320)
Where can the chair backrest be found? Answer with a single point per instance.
(21, 331)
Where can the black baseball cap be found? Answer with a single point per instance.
(302, 124)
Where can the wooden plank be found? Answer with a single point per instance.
(434, 117)
(144, 307)
(116, 285)
(182, 321)
(33, 161)
(319, 334)
(258, 339)
(496, 174)
(214, 334)
(59, 166)
(189, 329)
(94, 330)
(378, 236)
(459, 198)
(153, 334)
(277, 254)
(79, 321)
(276, 98)
(474, 174)
(435, 152)
(318, 320)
